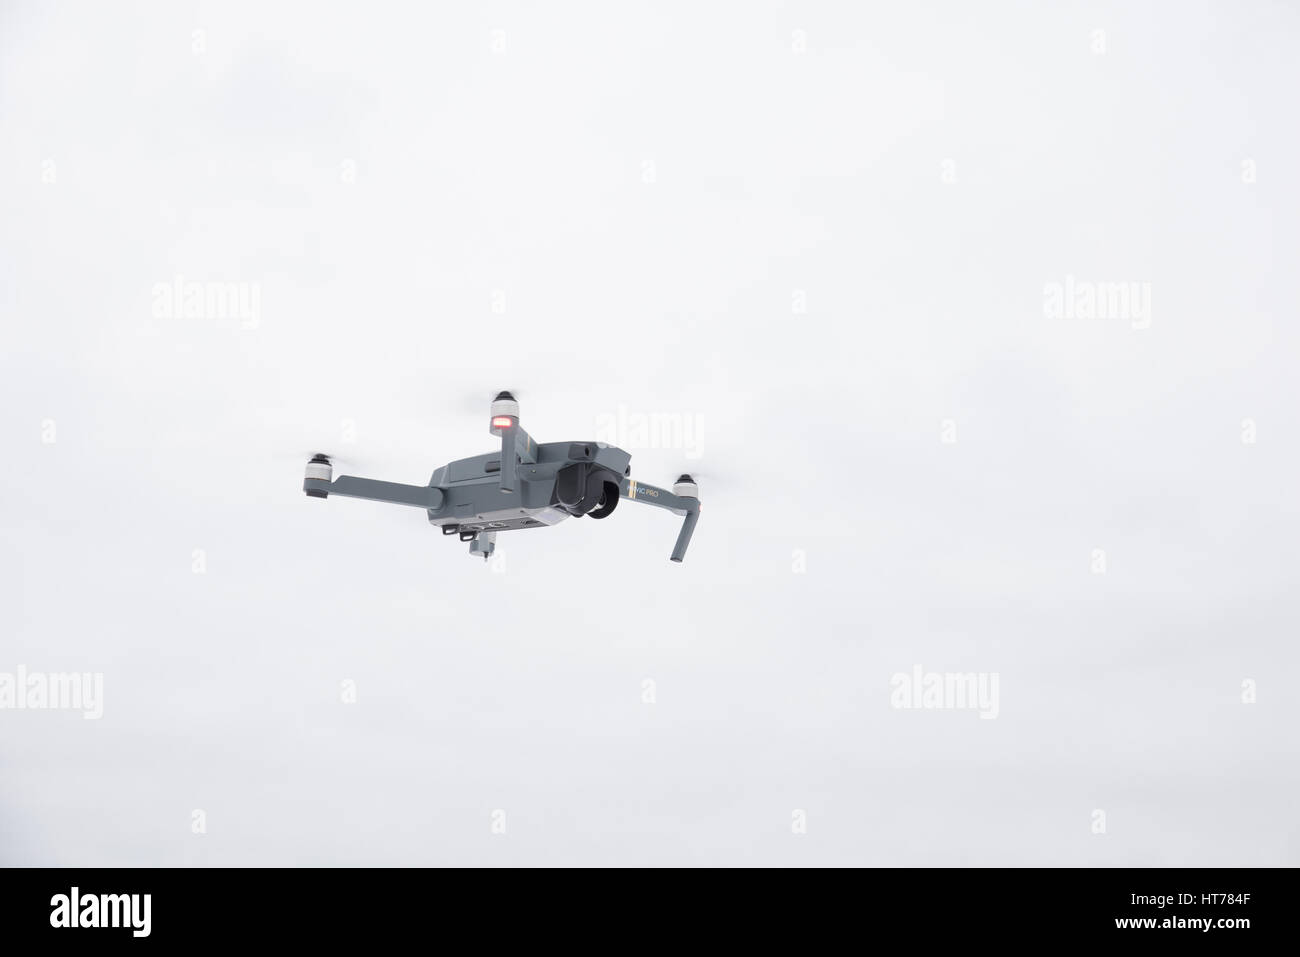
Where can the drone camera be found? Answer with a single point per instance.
(585, 489)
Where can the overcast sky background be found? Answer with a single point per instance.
(818, 232)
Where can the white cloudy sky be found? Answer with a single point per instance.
(608, 206)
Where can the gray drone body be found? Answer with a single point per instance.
(523, 485)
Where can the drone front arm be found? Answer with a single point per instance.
(687, 505)
(419, 496)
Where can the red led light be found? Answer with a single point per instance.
(501, 422)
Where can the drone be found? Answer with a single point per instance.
(524, 485)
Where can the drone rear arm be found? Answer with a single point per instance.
(525, 453)
(516, 444)
(420, 496)
(683, 500)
